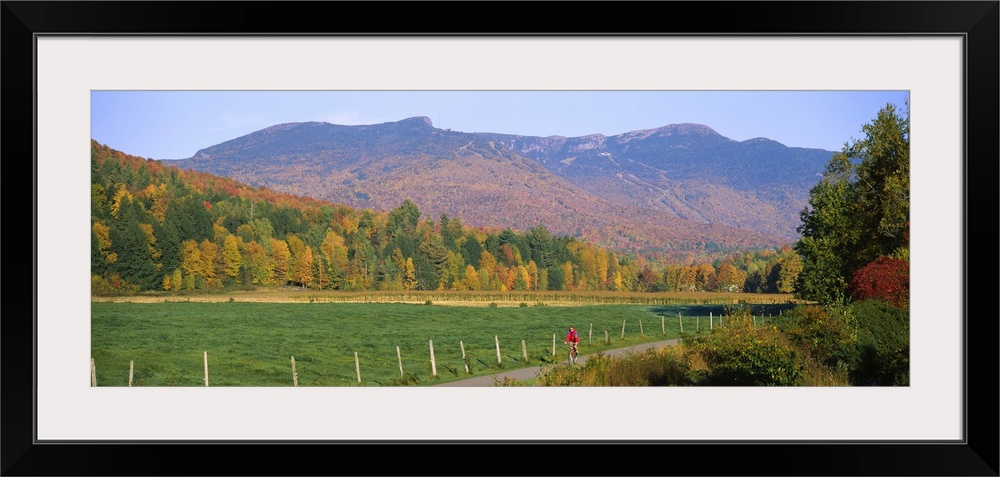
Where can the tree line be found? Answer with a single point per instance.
(156, 227)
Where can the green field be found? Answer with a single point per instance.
(252, 344)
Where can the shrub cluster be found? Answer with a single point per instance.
(864, 344)
(742, 354)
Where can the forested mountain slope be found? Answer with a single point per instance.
(680, 190)
(158, 227)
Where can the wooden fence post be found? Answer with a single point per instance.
(524, 350)
(607, 340)
(590, 336)
(497, 339)
(206, 368)
(553, 344)
(295, 375)
(641, 333)
(697, 324)
(434, 368)
(357, 366)
(93, 373)
(623, 329)
(711, 325)
(131, 369)
(680, 322)
(399, 357)
(462, 344)
(663, 326)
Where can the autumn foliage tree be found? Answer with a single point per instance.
(232, 259)
(300, 261)
(886, 279)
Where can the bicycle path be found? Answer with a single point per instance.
(531, 373)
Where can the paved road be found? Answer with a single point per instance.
(531, 373)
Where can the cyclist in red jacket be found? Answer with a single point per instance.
(572, 338)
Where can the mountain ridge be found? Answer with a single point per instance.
(677, 187)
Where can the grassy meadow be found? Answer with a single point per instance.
(252, 343)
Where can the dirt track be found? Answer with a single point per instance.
(530, 373)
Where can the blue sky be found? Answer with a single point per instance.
(176, 124)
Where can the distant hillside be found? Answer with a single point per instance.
(688, 171)
(158, 228)
(675, 190)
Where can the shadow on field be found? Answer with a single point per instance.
(719, 310)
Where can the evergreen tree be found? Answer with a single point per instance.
(472, 251)
(556, 277)
(190, 219)
(403, 219)
(98, 262)
(425, 272)
(170, 245)
(451, 230)
(130, 243)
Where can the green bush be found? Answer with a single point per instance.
(113, 286)
(742, 354)
(760, 363)
(828, 335)
(883, 345)
(100, 287)
(867, 340)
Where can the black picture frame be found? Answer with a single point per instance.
(977, 22)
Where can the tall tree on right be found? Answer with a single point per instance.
(859, 211)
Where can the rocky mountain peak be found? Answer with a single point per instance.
(686, 129)
(417, 121)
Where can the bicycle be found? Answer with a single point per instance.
(572, 340)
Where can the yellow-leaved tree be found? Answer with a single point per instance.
(191, 263)
(280, 259)
(300, 261)
(334, 252)
(209, 257)
(231, 257)
(409, 275)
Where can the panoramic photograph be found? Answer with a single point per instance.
(499, 238)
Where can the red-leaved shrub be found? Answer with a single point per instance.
(886, 279)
